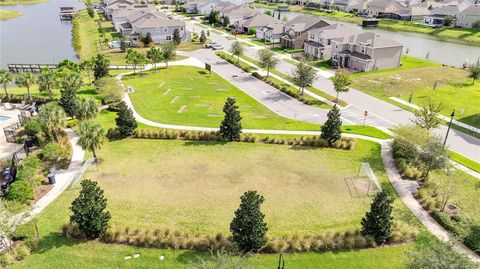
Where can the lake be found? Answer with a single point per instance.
(418, 45)
(39, 36)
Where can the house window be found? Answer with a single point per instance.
(158, 29)
(168, 38)
(181, 28)
(298, 34)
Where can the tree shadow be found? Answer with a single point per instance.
(204, 143)
(55, 240)
(374, 158)
(473, 120)
(189, 257)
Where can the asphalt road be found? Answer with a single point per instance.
(380, 113)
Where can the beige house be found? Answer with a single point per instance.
(354, 49)
(468, 17)
(295, 32)
(257, 22)
(380, 7)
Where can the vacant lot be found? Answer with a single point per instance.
(196, 186)
(453, 89)
(189, 96)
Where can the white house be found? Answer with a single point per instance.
(270, 32)
(469, 16)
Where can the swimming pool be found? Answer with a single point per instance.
(4, 118)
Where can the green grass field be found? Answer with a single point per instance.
(20, 2)
(465, 161)
(196, 186)
(8, 14)
(417, 78)
(197, 98)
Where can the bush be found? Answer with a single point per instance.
(54, 153)
(7, 259)
(20, 191)
(472, 240)
(32, 127)
(71, 123)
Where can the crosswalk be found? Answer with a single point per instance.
(356, 116)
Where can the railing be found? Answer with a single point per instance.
(35, 68)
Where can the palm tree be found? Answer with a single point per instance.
(52, 118)
(26, 80)
(47, 82)
(86, 108)
(5, 78)
(91, 136)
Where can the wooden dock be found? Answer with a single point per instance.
(36, 68)
(67, 13)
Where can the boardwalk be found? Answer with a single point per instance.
(35, 68)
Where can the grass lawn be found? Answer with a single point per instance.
(196, 186)
(417, 78)
(20, 2)
(198, 99)
(365, 130)
(86, 91)
(465, 161)
(8, 14)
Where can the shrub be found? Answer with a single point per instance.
(54, 153)
(32, 127)
(7, 259)
(472, 240)
(20, 191)
(71, 123)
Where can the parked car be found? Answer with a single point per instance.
(238, 32)
(215, 46)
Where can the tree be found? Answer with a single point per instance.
(135, 58)
(147, 40)
(52, 118)
(236, 49)
(123, 45)
(9, 223)
(247, 227)
(447, 186)
(47, 82)
(90, 10)
(176, 37)
(341, 82)
(25, 79)
(100, 66)
(71, 83)
(168, 51)
(91, 136)
(231, 126)
(432, 253)
(203, 38)
(155, 56)
(213, 17)
(67, 65)
(86, 109)
(126, 123)
(226, 21)
(448, 21)
(474, 72)
(331, 129)
(426, 117)
(87, 66)
(267, 59)
(5, 78)
(378, 222)
(304, 75)
(433, 156)
(89, 210)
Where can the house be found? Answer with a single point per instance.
(160, 28)
(367, 51)
(379, 7)
(357, 6)
(109, 10)
(257, 22)
(271, 32)
(435, 20)
(468, 17)
(129, 15)
(295, 31)
(353, 48)
(409, 13)
(200, 6)
(319, 42)
(238, 13)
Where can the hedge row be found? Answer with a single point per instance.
(346, 143)
(18, 98)
(228, 58)
(285, 90)
(76, 42)
(183, 240)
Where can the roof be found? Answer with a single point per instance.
(126, 25)
(259, 20)
(158, 22)
(276, 28)
(110, 2)
(222, 6)
(313, 44)
(472, 10)
(356, 54)
(445, 10)
(375, 40)
(384, 4)
(302, 23)
(137, 15)
(335, 31)
(240, 11)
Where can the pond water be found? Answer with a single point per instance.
(39, 36)
(418, 45)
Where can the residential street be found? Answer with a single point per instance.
(380, 113)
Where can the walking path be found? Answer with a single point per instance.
(63, 178)
(404, 188)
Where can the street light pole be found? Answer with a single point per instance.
(448, 130)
